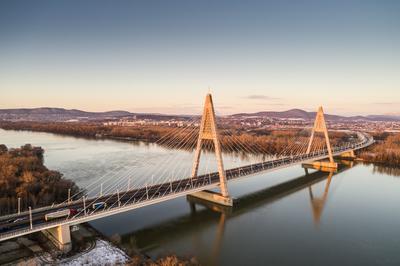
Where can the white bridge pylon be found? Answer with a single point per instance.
(320, 127)
(209, 131)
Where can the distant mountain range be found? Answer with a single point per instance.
(60, 114)
(301, 114)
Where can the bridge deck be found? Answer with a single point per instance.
(138, 198)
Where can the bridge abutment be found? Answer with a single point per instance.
(60, 236)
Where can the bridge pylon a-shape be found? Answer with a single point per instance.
(320, 127)
(209, 131)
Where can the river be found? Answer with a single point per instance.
(351, 218)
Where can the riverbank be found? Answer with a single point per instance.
(89, 247)
(27, 182)
(234, 139)
(386, 152)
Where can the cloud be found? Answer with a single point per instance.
(386, 103)
(392, 114)
(269, 104)
(277, 104)
(226, 107)
(260, 97)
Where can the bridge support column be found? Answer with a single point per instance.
(209, 132)
(321, 166)
(320, 127)
(60, 236)
(350, 155)
(213, 197)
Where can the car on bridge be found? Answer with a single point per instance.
(4, 228)
(57, 215)
(99, 205)
(18, 220)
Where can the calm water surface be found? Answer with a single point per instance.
(282, 218)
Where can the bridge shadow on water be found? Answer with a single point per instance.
(205, 215)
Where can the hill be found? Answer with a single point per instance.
(301, 114)
(60, 114)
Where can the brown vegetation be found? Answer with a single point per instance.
(171, 260)
(23, 175)
(385, 152)
(232, 140)
(72, 129)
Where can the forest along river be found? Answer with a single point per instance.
(351, 218)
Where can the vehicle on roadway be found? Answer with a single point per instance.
(19, 220)
(99, 205)
(13, 221)
(57, 215)
(4, 229)
(73, 212)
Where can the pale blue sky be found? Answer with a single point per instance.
(161, 56)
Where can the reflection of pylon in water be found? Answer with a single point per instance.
(224, 212)
(209, 131)
(218, 239)
(318, 204)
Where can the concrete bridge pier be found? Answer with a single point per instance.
(214, 206)
(348, 163)
(213, 197)
(321, 166)
(60, 236)
(349, 155)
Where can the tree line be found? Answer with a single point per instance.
(232, 138)
(386, 151)
(23, 175)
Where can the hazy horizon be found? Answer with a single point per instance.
(161, 56)
(200, 109)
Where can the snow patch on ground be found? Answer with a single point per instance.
(103, 254)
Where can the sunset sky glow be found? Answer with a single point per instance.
(162, 56)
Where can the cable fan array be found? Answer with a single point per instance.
(172, 166)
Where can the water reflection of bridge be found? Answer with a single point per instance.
(204, 214)
(318, 203)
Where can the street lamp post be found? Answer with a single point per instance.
(30, 217)
(119, 202)
(19, 205)
(84, 205)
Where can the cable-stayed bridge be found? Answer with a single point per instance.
(124, 195)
